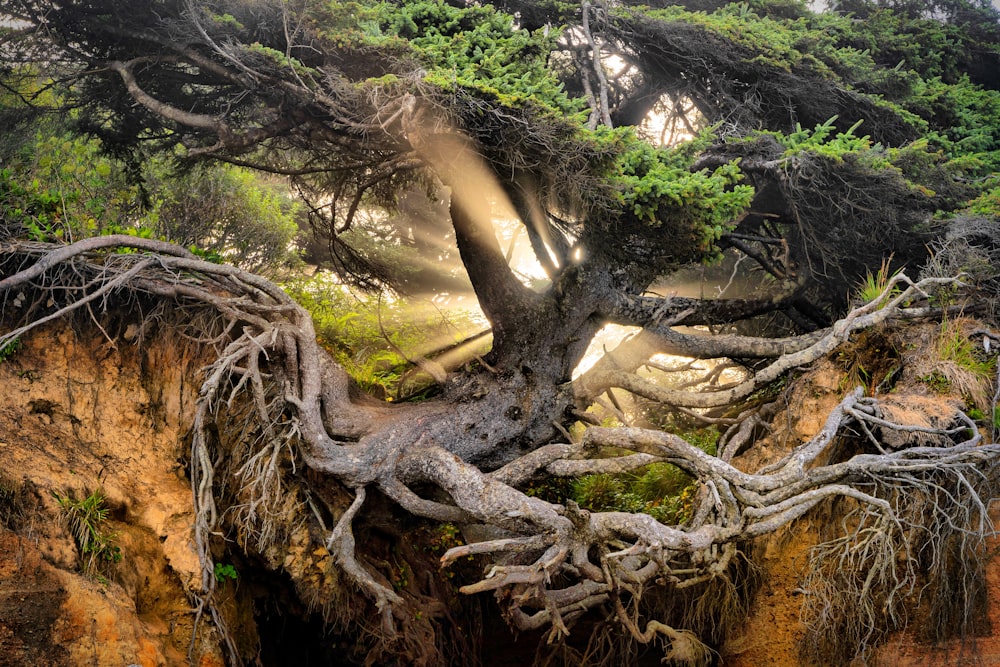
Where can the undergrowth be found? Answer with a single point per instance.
(660, 490)
(377, 341)
(871, 359)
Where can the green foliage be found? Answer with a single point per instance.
(85, 519)
(854, 200)
(227, 20)
(355, 329)
(822, 141)
(913, 164)
(225, 213)
(10, 349)
(691, 209)
(914, 68)
(986, 205)
(475, 49)
(598, 492)
(480, 63)
(280, 59)
(472, 47)
(656, 183)
(552, 489)
(770, 41)
(224, 572)
(59, 186)
(965, 121)
(916, 162)
(923, 37)
(661, 490)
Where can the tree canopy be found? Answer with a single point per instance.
(626, 141)
(892, 118)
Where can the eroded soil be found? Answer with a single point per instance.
(80, 415)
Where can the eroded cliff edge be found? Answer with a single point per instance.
(86, 410)
(109, 407)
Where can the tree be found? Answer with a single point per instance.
(822, 147)
(76, 190)
(227, 211)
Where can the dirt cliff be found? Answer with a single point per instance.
(108, 408)
(82, 413)
(775, 630)
(87, 408)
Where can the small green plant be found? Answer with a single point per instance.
(985, 419)
(85, 519)
(10, 349)
(937, 381)
(224, 572)
(873, 285)
(400, 574)
(444, 537)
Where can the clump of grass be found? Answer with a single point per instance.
(954, 345)
(962, 367)
(16, 503)
(874, 285)
(85, 519)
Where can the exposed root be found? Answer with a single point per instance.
(860, 584)
(341, 544)
(899, 293)
(915, 509)
(684, 647)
